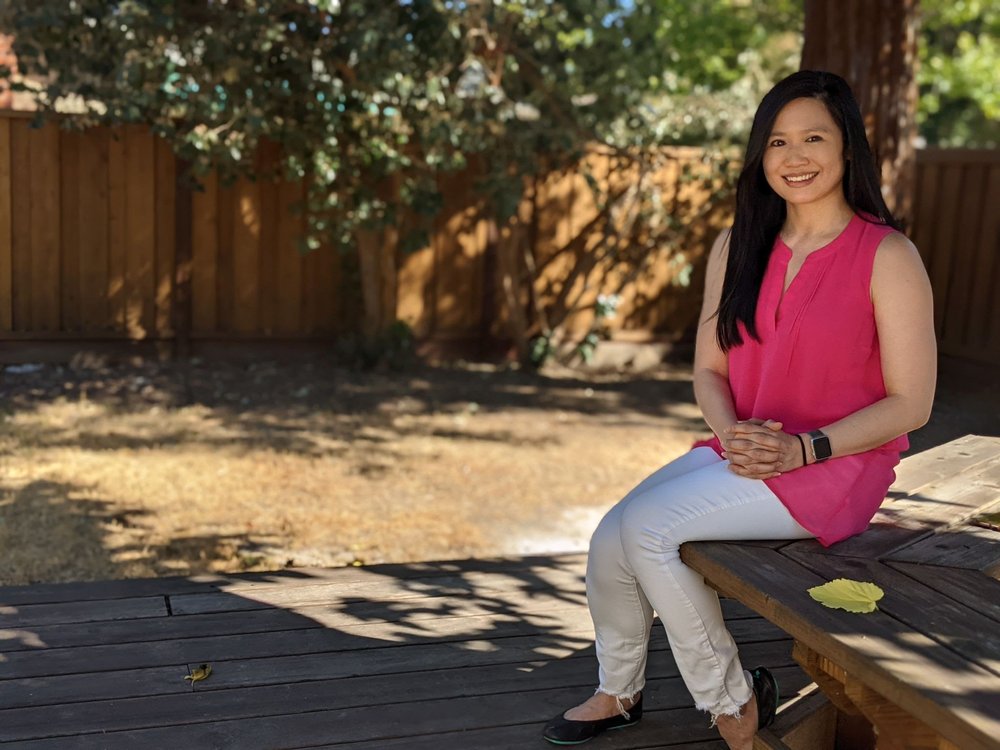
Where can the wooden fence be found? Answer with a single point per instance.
(957, 230)
(89, 252)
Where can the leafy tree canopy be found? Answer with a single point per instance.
(356, 92)
(959, 59)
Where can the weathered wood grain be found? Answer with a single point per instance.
(493, 683)
(964, 547)
(981, 593)
(45, 213)
(946, 621)
(49, 614)
(69, 222)
(956, 698)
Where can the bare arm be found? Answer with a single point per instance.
(747, 457)
(901, 295)
(711, 365)
(904, 317)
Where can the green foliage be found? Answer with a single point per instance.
(959, 59)
(394, 348)
(358, 92)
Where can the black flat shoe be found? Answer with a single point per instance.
(562, 731)
(765, 687)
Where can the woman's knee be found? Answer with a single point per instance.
(605, 542)
(653, 522)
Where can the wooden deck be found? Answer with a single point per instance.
(473, 654)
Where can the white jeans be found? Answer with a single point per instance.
(635, 567)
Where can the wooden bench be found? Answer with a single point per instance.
(924, 670)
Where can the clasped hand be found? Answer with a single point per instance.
(758, 449)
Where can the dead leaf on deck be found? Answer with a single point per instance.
(200, 673)
(843, 593)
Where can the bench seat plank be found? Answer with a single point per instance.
(949, 459)
(980, 593)
(903, 521)
(951, 624)
(966, 547)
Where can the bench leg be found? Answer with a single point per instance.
(893, 728)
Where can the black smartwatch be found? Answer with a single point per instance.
(820, 445)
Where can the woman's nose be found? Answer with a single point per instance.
(795, 155)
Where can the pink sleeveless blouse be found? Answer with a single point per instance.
(818, 361)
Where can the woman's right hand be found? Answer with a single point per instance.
(759, 449)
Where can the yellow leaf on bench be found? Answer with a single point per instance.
(843, 593)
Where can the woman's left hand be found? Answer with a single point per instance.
(758, 449)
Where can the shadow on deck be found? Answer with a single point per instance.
(469, 654)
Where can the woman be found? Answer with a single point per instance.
(815, 355)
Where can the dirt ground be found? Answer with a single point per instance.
(152, 469)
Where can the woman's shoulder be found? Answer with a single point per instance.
(896, 247)
(897, 261)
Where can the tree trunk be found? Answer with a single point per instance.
(873, 45)
(505, 242)
(378, 268)
(377, 263)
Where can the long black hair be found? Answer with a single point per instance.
(760, 212)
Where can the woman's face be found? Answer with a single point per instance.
(804, 157)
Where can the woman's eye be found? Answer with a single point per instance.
(777, 142)
(814, 138)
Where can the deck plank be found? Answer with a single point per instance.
(415, 614)
(356, 649)
(76, 612)
(524, 710)
(49, 593)
(489, 684)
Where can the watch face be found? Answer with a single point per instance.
(821, 446)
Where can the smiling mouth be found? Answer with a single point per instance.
(800, 178)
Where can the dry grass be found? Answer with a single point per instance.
(155, 469)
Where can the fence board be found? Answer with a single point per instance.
(925, 186)
(6, 230)
(267, 270)
(93, 221)
(205, 255)
(224, 274)
(246, 259)
(945, 235)
(20, 200)
(165, 237)
(45, 227)
(288, 276)
(117, 237)
(973, 182)
(140, 232)
(69, 203)
(977, 333)
(459, 250)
